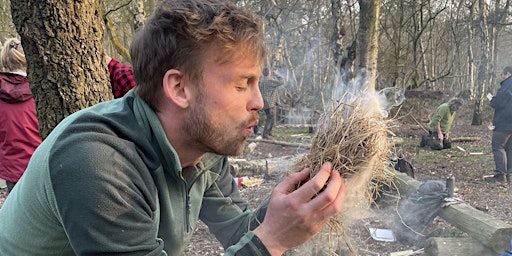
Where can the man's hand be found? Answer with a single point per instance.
(294, 215)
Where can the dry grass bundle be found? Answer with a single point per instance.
(353, 137)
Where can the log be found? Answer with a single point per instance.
(465, 246)
(491, 232)
(295, 126)
(466, 139)
(244, 167)
(283, 143)
(405, 184)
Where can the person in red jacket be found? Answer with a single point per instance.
(19, 127)
(121, 76)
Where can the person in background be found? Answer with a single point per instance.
(19, 127)
(502, 133)
(121, 76)
(133, 175)
(268, 87)
(439, 126)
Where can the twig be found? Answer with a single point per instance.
(417, 122)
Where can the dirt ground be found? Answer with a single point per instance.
(468, 161)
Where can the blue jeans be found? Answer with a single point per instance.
(502, 151)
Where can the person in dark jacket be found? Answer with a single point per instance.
(134, 175)
(502, 132)
(19, 127)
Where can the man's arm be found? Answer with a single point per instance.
(121, 77)
(502, 97)
(277, 80)
(103, 210)
(439, 132)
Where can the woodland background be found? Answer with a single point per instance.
(319, 46)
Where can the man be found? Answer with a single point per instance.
(440, 125)
(133, 175)
(502, 132)
(268, 86)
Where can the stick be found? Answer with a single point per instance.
(300, 145)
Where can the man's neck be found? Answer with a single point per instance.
(177, 137)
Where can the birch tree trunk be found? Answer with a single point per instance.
(483, 67)
(137, 9)
(337, 32)
(63, 44)
(471, 57)
(367, 39)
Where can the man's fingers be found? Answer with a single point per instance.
(330, 200)
(293, 181)
(313, 186)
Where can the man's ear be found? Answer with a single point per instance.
(174, 88)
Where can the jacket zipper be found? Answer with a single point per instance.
(188, 187)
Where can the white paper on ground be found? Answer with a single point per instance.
(380, 234)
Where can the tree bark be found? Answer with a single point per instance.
(63, 42)
(123, 51)
(367, 39)
(137, 9)
(471, 58)
(436, 246)
(337, 33)
(483, 67)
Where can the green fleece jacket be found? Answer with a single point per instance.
(106, 181)
(444, 117)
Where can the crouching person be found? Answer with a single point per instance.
(439, 127)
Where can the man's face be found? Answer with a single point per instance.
(224, 108)
(455, 107)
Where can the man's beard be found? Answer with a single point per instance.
(211, 136)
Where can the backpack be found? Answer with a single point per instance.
(404, 166)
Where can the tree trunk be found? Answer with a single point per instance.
(337, 33)
(367, 39)
(437, 246)
(483, 66)
(137, 9)
(111, 31)
(471, 58)
(63, 44)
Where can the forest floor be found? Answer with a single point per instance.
(467, 161)
(466, 168)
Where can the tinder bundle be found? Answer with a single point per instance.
(353, 137)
